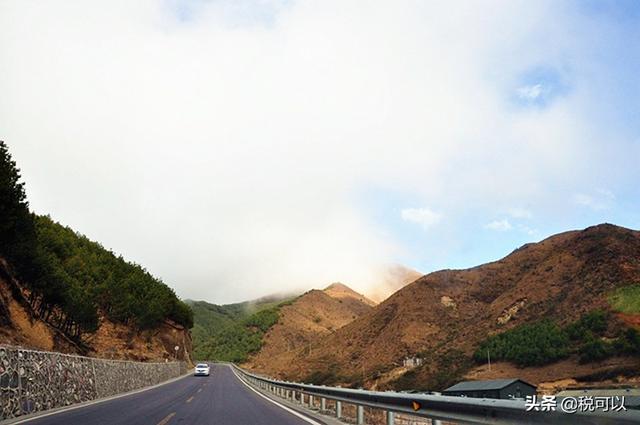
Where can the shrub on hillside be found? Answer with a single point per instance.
(594, 322)
(594, 349)
(545, 342)
(527, 345)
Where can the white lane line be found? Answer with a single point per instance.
(293, 412)
(190, 399)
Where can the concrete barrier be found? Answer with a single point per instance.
(35, 381)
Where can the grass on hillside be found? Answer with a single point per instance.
(626, 299)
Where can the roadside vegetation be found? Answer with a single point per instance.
(71, 280)
(593, 337)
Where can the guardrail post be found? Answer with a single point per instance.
(360, 415)
(301, 398)
(436, 421)
(323, 404)
(338, 409)
(391, 419)
(310, 401)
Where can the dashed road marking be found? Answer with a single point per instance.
(199, 389)
(190, 399)
(166, 420)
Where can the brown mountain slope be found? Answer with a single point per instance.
(309, 317)
(343, 292)
(444, 315)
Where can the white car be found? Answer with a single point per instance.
(202, 369)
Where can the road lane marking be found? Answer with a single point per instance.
(166, 420)
(293, 412)
(199, 389)
(190, 399)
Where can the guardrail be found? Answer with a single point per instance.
(435, 407)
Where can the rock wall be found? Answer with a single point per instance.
(34, 381)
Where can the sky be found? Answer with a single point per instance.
(237, 148)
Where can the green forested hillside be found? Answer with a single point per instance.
(72, 279)
(595, 336)
(231, 332)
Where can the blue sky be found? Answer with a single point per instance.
(240, 148)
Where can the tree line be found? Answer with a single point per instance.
(70, 279)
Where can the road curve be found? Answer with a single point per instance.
(220, 399)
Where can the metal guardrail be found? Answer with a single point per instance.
(435, 407)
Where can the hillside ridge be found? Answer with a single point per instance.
(445, 315)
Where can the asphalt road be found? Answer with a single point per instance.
(219, 399)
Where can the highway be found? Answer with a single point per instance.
(220, 399)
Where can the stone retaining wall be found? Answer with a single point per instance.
(33, 381)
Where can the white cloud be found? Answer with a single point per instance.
(499, 225)
(425, 217)
(226, 151)
(531, 92)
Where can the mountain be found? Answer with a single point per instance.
(268, 327)
(568, 301)
(306, 319)
(231, 332)
(341, 291)
(390, 280)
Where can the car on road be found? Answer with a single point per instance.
(202, 369)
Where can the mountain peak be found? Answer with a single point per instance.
(340, 290)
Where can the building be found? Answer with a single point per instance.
(497, 388)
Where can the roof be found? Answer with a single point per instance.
(495, 384)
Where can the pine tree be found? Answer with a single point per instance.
(17, 231)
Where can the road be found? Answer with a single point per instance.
(220, 399)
